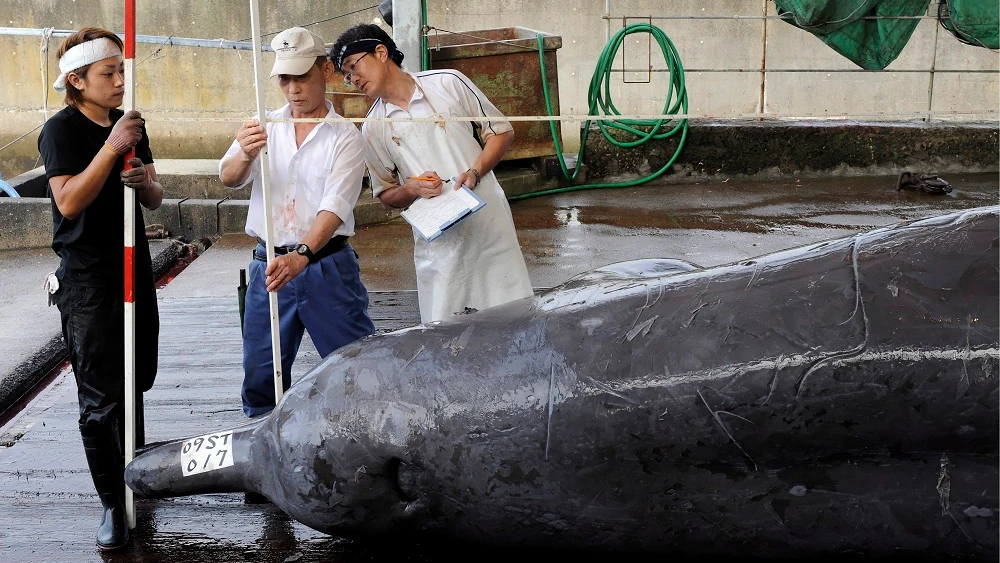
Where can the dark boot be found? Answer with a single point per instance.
(100, 443)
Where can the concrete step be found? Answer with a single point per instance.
(196, 179)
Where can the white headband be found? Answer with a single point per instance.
(81, 55)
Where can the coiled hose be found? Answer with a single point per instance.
(599, 99)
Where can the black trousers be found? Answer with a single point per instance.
(93, 320)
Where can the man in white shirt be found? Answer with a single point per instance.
(316, 171)
(477, 263)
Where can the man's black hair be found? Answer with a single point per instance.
(365, 31)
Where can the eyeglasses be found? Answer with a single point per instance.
(352, 68)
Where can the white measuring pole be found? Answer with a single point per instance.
(129, 267)
(265, 183)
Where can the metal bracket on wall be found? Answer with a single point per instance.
(649, 52)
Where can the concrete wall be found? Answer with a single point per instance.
(193, 98)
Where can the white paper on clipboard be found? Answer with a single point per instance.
(433, 216)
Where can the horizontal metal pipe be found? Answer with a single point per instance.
(737, 17)
(156, 39)
(770, 70)
(979, 115)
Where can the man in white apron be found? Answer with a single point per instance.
(477, 263)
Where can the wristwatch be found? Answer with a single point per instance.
(476, 174)
(303, 249)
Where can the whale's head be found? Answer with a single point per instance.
(337, 443)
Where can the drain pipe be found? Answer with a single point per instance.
(406, 19)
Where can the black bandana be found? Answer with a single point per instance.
(365, 46)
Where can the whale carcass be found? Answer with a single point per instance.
(840, 397)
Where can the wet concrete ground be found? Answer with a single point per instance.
(50, 510)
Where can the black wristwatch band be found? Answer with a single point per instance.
(304, 250)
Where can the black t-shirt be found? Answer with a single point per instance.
(92, 245)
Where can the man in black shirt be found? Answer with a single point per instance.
(83, 147)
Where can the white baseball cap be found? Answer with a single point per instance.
(295, 51)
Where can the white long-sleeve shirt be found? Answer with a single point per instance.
(323, 174)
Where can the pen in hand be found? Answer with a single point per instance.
(427, 179)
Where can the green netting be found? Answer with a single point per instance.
(975, 22)
(870, 43)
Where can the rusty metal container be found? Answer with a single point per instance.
(503, 63)
(347, 101)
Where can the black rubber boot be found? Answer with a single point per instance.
(100, 443)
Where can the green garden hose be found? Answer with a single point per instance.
(599, 97)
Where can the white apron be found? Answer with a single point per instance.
(478, 262)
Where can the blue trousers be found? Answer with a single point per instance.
(327, 298)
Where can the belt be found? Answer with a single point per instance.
(334, 245)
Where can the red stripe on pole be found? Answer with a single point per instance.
(129, 267)
(130, 55)
(129, 29)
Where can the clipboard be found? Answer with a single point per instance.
(432, 217)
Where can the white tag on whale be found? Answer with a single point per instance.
(207, 453)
